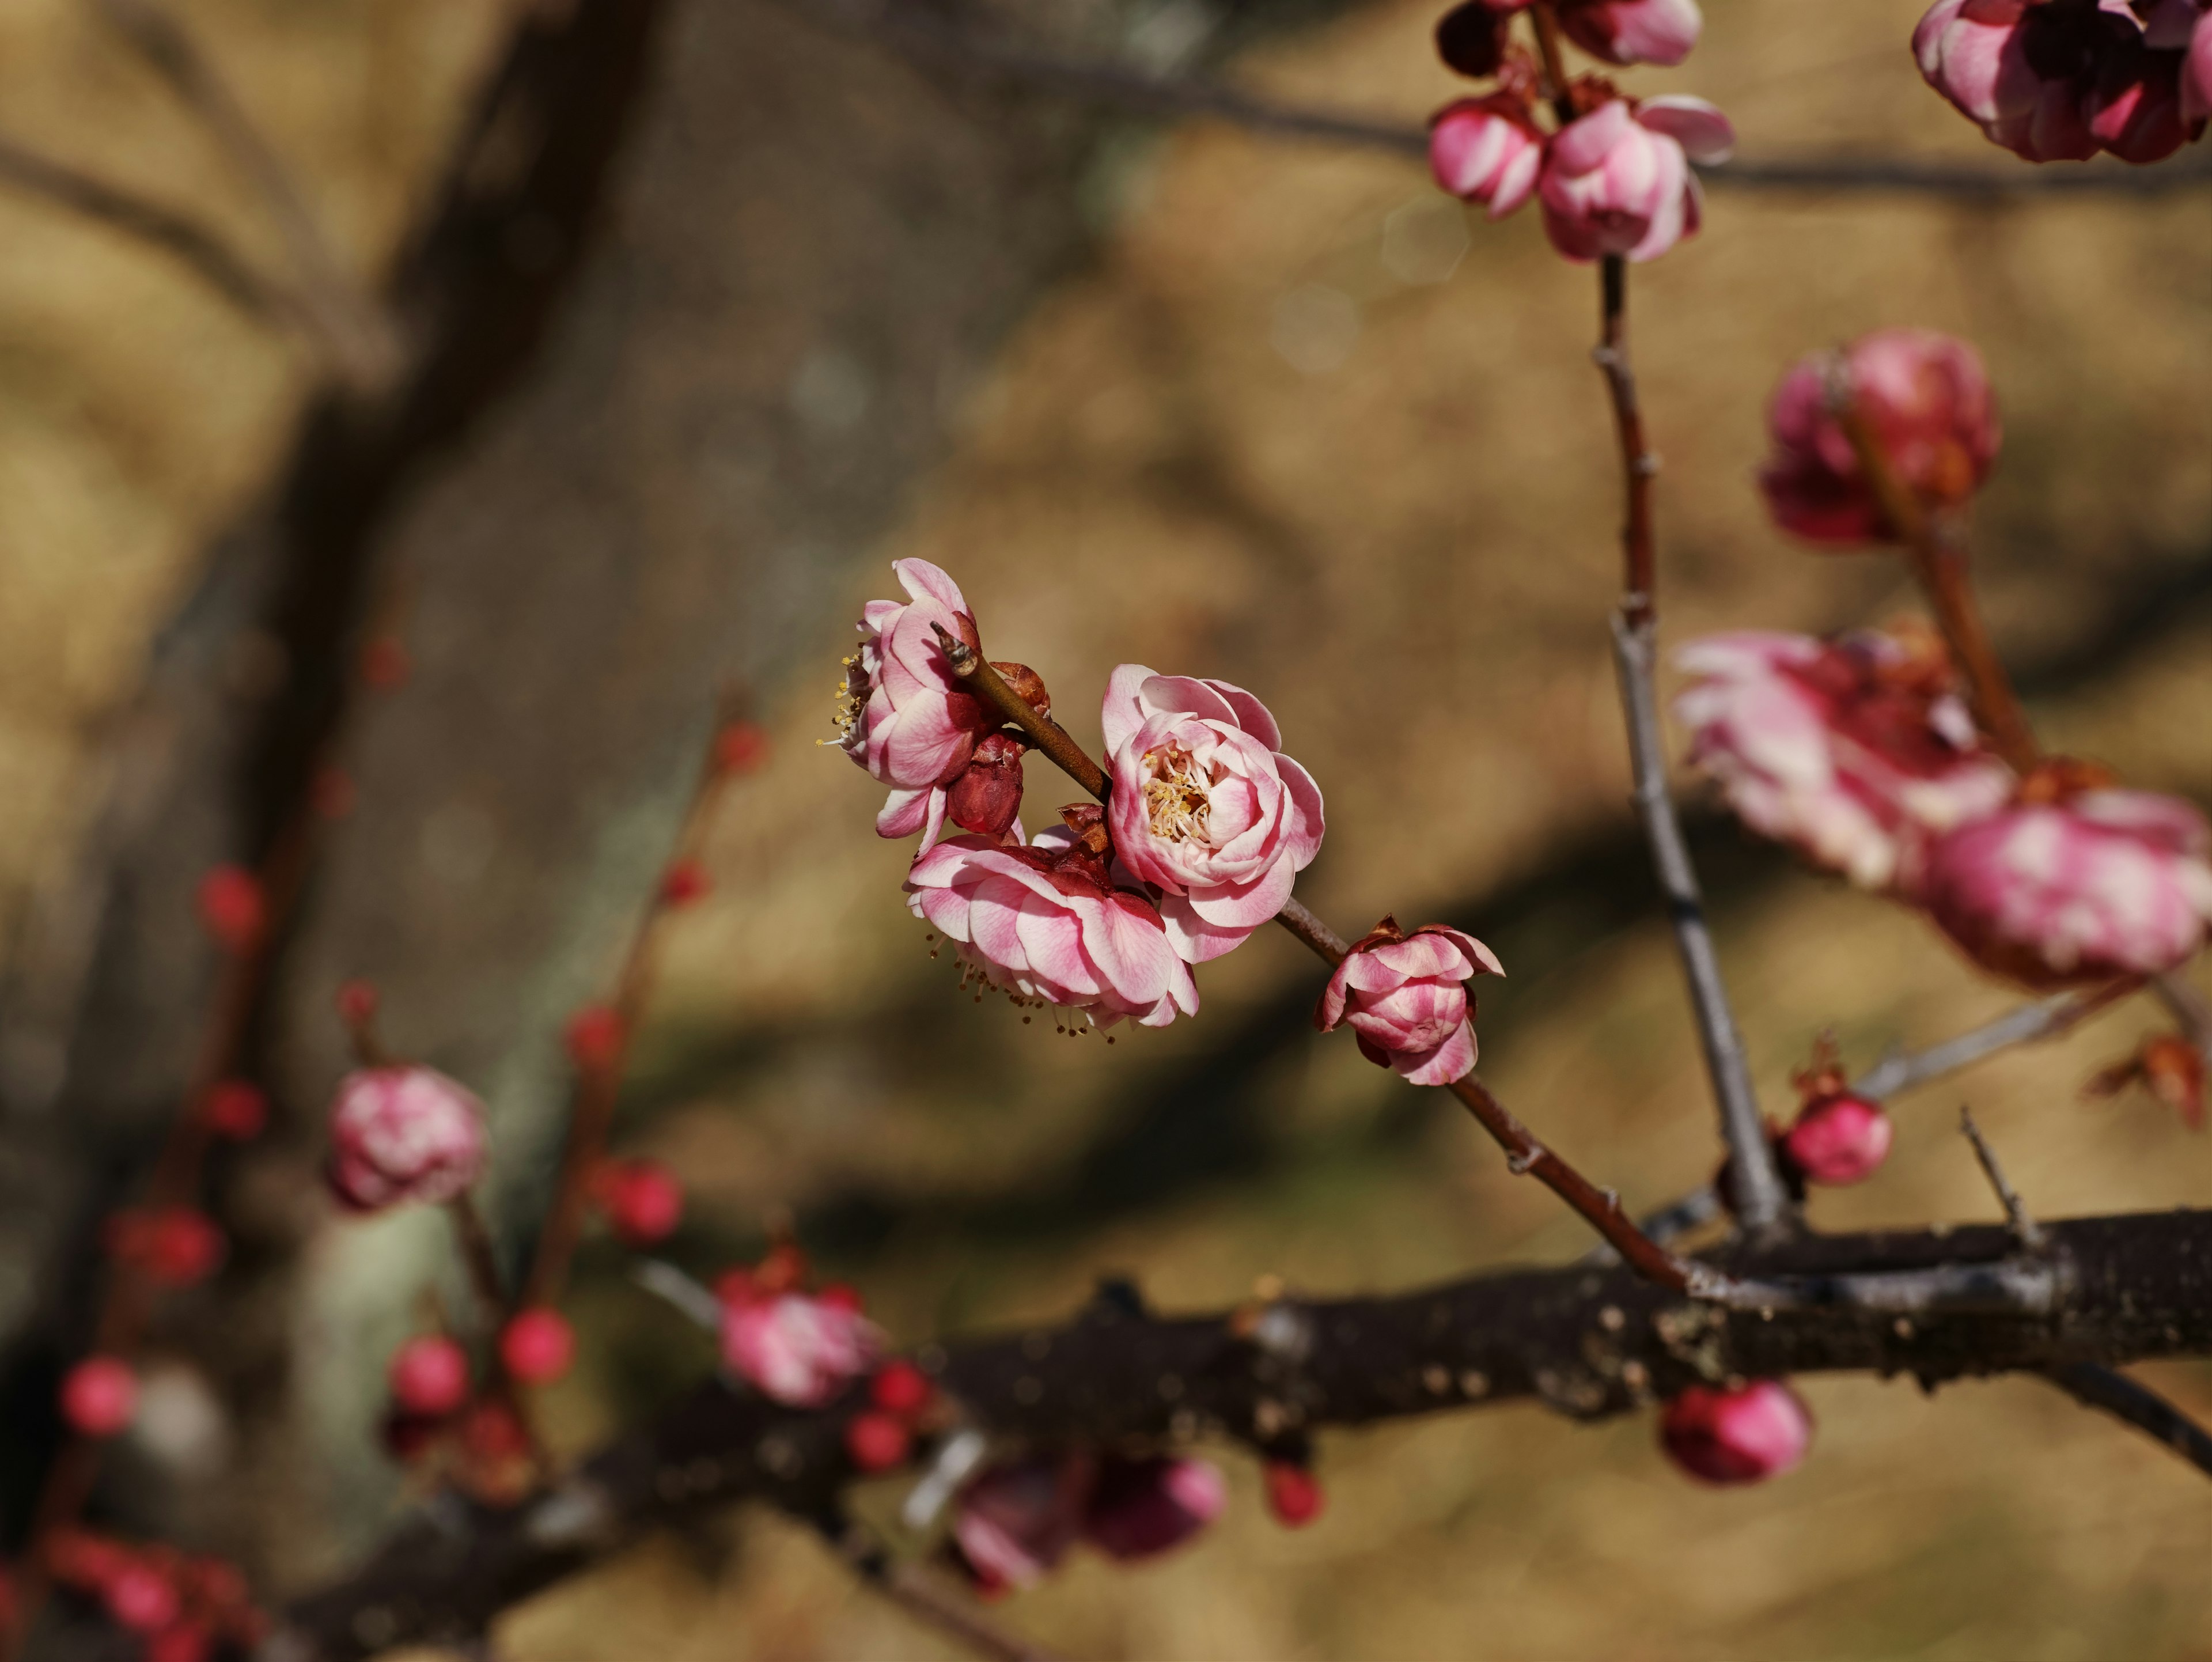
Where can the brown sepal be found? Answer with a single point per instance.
(2167, 1065)
(1385, 933)
(1824, 1075)
(1028, 685)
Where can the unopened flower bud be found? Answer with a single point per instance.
(237, 1110)
(1139, 1508)
(429, 1376)
(987, 796)
(876, 1441)
(683, 882)
(595, 1037)
(1487, 150)
(1406, 1000)
(404, 1134)
(538, 1345)
(742, 747)
(140, 1597)
(174, 1245)
(231, 907)
(1838, 1140)
(1617, 181)
(99, 1396)
(357, 1001)
(1742, 1435)
(901, 1388)
(643, 1200)
(1294, 1494)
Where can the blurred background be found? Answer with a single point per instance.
(702, 313)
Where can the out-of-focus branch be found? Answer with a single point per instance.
(2046, 1018)
(1588, 1343)
(358, 328)
(928, 39)
(2124, 1398)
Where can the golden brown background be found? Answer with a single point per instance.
(1405, 547)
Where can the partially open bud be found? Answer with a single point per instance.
(2104, 883)
(1487, 150)
(1633, 31)
(2170, 1067)
(140, 1597)
(1618, 180)
(1405, 999)
(1924, 401)
(1139, 1508)
(404, 1134)
(1742, 1435)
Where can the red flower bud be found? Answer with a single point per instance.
(1838, 1140)
(987, 794)
(875, 1441)
(901, 1388)
(357, 1002)
(643, 1202)
(140, 1597)
(1744, 1435)
(429, 1376)
(99, 1396)
(742, 747)
(174, 1245)
(538, 1345)
(231, 907)
(491, 1433)
(237, 1110)
(1294, 1494)
(187, 1642)
(683, 882)
(595, 1037)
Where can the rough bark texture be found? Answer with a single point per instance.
(1586, 1342)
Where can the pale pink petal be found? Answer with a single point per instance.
(922, 580)
(1251, 714)
(1123, 711)
(1453, 1060)
(1186, 695)
(1705, 134)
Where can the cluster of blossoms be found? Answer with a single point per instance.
(1858, 752)
(2062, 80)
(183, 1608)
(1614, 178)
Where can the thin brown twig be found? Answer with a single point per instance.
(1938, 560)
(1547, 27)
(2046, 1018)
(357, 328)
(2024, 1227)
(1046, 734)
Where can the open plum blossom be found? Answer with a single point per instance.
(799, 1349)
(1617, 181)
(1017, 1521)
(2060, 80)
(1205, 807)
(1045, 923)
(1853, 751)
(1924, 401)
(1405, 999)
(402, 1133)
(2104, 883)
(905, 718)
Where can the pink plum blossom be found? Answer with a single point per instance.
(2106, 883)
(2060, 80)
(1633, 30)
(1617, 181)
(1924, 401)
(1837, 1139)
(1045, 923)
(1853, 751)
(1406, 998)
(1205, 807)
(1741, 1435)
(796, 1349)
(1487, 151)
(404, 1134)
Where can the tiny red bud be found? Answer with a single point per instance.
(429, 1376)
(237, 1110)
(141, 1598)
(643, 1200)
(595, 1037)
(490, 1432)
(1839, 1139)
(683, 883)
(231, 907)
(385, 663)
(876, 1442)
(174, 1245)
(1294, 1494)
(538, 1345)
(742, 747)
(357, 1003)
(99, 1396)
(901, 1388)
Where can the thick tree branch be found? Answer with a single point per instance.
(1588, 1343)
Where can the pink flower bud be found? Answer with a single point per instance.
(402, 1133)
(1743, 1436)
(1206, 807)
(2106, 883)
(1926, 403)
(1633, 31)
(1838, 1140)
(799, 1350)
(98, 1397)
(1405, 997)
(140, 1597)
(901, 1388)
(231, 906)
(538, 1345)
(876, 1441)
(1487, 150)
(643, 1200)
(1141, 1508)
(1617, 181)
(1046, 924)
(1853, 751)
(1294, 1494)
(237, 1110)
(429, 1376)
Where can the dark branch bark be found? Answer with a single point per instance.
(1586, 1341)
(2139, 1406)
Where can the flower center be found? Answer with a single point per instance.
(852, 699)
(1176, 804)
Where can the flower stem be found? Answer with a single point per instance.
(1043, 732)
